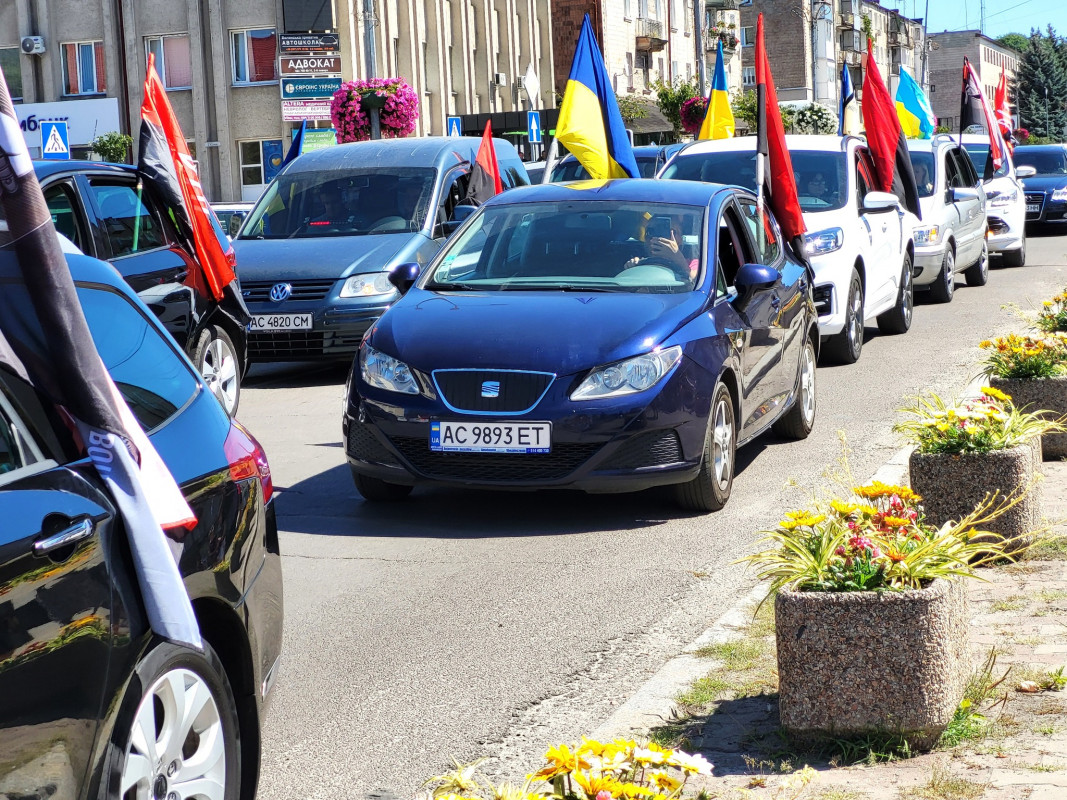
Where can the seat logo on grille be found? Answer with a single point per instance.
(280, 292)
(491, 389)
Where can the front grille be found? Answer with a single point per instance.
(564, 459)
(303, 345)
(650, 449)
(1034, 198)
(824, 303)
(259, 291)
(364, 445)
(517, 392)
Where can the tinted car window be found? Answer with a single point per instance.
(1045, 162)
(16, 447)
(572, 170)
(978, 154)
(149, 374)
(127, 222)
(60, 200)
(923, 165)
(768, 247)
(968, 174)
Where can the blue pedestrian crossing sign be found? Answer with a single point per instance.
(533, 126)
(54, 142)
(454, 127)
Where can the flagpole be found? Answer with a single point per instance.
(550, 160)
(760, 234)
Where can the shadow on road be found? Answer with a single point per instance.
(294, 375)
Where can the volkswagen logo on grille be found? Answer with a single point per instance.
(491, 389)
(280, 292)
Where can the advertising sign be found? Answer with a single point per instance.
(318, 139)
(296, 110)
(310, 65)
(85, 119)
(309, 88)
(308, 42)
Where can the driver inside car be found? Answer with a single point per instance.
(663, 247)
(334, 210)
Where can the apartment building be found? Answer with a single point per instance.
(222, 62)
(989, 58)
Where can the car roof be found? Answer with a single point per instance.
(46, 169)
(1037, 147)
(429, 151)
(640, 151)
(693, 193)
(831, 144)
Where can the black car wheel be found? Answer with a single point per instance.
(215, 358)
(377, 490)
(898, 318)
(1015, 258)
(944, 286)
(845, 347)
(800, 419)
(978, 273)
(710, 489)
(177, 733)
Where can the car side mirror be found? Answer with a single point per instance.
(959, 194)
(460, 214)
(751, 279)
(1025, 172)
(403, 276)
(878, 202)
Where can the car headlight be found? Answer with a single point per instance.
(1002, 198)
(927, 234)
(370, 285)
(629, 376)
(825, 241)
(386, 372)
(1060, 195)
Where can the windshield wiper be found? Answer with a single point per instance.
(559, 287)
(458, 287)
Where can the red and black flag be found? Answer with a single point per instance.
(164, 161)
(778, 183)
(885, 138)
(975, 110)
(485, 173)
(45, 341)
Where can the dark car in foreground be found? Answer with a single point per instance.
(92, 705)
(109, 213)
(607, 336)
(1046, 190)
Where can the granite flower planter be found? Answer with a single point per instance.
(953, 484)
(1048, 395)
(852, 664)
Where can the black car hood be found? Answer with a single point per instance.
(324, 257)
(1044, 183)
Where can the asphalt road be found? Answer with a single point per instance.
(462, 623)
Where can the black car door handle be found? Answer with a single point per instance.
(74, 533)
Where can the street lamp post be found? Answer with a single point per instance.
(370, 56)
(1047, 128)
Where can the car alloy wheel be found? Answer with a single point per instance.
(898, 318)
(722, 438)
(978, 273)
(798, 421)
(217, 363)
(944, 287)
(710, 488)
(846, 346)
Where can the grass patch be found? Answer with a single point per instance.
(1013, 603)
(1052, 595)
(943, 785)
(1046, 730)
(1048, 548)
(838, 794)
(1032, 767)
(705, 691)
(970, 723)
(739, 654)
(1049, 680)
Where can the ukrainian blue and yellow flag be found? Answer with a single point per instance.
(719, 117)
(590, 125)
(913, 108)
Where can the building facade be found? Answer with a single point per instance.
(989, 58)
(220, 64)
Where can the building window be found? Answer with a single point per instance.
(630, 71)
(83, 68)
(173, 62)
(642, 9)
(675, 13)
(688, 72)
(689, 12)
(662, 76)
(748, 76)
(257, 161)
(674, 70)
(626, 9)
(748, 36)
(255, 56)
(11, 64)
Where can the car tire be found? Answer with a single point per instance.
(800, 419)
(898, 319)
(845, 347)
(978, 273)
(710, 489)
(1014, 258)
(205, 747)
(944, 285)
(379, 491)
(215, 358)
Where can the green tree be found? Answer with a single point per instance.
(743, 104)
(631, 107)
(113, 147)
(1041, 84)
(1016, 41)
(669, 98)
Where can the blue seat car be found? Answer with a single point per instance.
(607, 336)
(316, 251)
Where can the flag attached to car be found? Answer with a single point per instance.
(913, 108)
(485, 172)
(848, 117)
(718, 116)
(297, 144)
(885, 139)
(1002, 109)
(45, 340)
(976, 111)
(590, 125)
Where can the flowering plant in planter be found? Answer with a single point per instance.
(1023, 357)
(351, 104)
(1053, 314)
(692, 113)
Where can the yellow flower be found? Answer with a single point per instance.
(560, 761)
(635, 792)
(591, 746)
(646, 755)
(995, 394)
(809, 521)
(592, 785)
(1047, 303)
(897, 522)
(842, 508)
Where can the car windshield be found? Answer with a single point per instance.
(1044, 162)
(822, 177)
(922, 163)
(571, 169)
(979, 153)
(575, 246)
(342, 202)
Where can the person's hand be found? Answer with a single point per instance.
(633, 262)
(660, 246)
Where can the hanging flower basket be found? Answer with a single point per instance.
(351, 105)
(692, 114)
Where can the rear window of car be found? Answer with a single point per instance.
(155, 382)
(572, 170)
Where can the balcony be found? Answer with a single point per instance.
(846, 19)
(852, 41)
(722, 5)
(897, 39)
(726, 36)
(650, 35)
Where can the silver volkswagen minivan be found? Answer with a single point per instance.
(315, 253)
